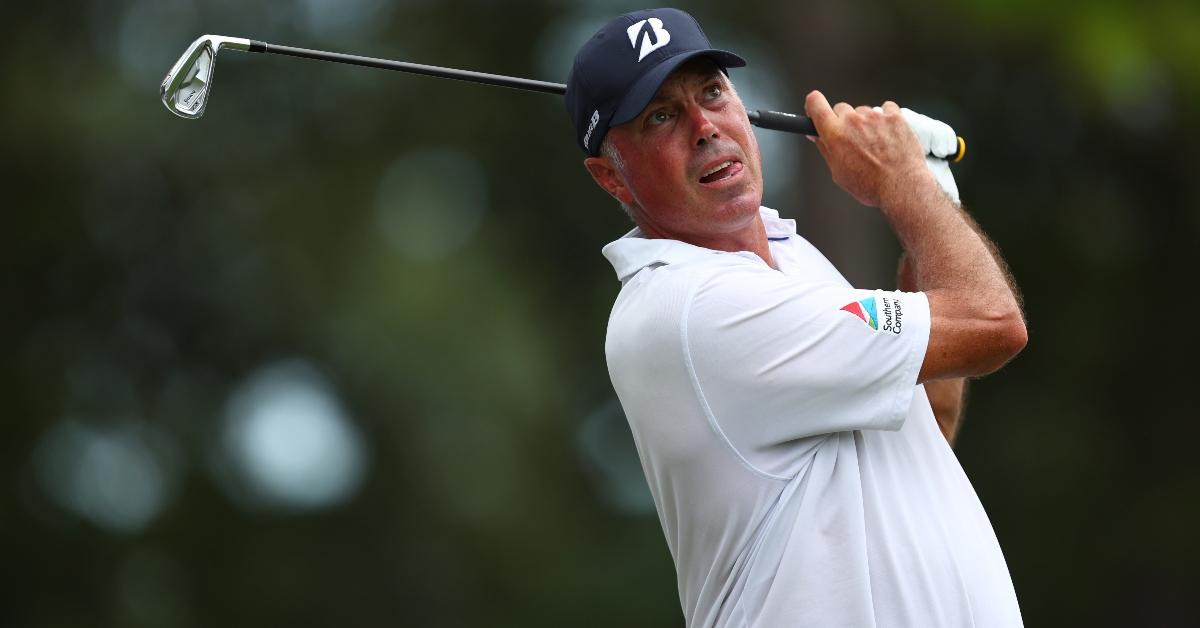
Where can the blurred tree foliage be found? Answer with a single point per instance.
(432, 248)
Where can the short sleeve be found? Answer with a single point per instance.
(774, 360)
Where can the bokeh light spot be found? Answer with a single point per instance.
(289, 443)
(113, 477)
(608, 453)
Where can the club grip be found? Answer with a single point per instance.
(792, 123)
(779, 121)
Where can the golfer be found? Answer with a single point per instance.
(782, 416)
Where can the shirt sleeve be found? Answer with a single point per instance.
(774, 360)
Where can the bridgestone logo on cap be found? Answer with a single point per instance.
(655, 37)
(591, 127)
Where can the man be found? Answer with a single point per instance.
(781, 415)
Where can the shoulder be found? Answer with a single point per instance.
(662, 289)
(652, 303)
(651, 310)
(666, 309)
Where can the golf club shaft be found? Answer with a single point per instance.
(774, 120)
(413, 68)
(766, 119)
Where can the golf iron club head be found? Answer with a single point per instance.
(186, 87)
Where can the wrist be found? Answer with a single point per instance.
(912, 189)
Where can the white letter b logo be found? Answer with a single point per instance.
(653, 38)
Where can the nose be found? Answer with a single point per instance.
(704, 129)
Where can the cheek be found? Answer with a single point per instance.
(654, 189)
(752, 150)
(661, 166)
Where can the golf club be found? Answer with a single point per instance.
(186, 88)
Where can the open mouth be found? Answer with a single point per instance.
(721, 171)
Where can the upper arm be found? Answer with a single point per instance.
(774, 360)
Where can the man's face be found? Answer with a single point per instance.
(692, 169)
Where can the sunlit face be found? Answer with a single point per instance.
(692, 168)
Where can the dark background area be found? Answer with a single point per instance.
(333, 354)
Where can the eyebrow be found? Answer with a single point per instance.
(715, 73)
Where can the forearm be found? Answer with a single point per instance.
(976, 324)
(955, 264)
(946, 250)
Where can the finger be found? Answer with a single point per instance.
(890, 107)
(944, 140)
(920, 126)
(864, 110)
(817, 108)
(841, 109)
(936, 137)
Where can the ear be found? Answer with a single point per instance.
(607, 177)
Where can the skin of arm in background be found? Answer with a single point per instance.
(947, 397)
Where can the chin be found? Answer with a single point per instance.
(733, 215)
(745, 203)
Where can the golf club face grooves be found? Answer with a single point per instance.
(186, 87)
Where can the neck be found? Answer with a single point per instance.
(752, 237)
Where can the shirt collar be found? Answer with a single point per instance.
(634, 251)
(777, 228)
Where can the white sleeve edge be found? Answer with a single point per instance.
(917, 349)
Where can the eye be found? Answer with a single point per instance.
(712, 92)
(658, 117)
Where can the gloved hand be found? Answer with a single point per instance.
(939, 141)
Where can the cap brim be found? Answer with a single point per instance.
(646, 87)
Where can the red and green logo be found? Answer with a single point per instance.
(865, 310)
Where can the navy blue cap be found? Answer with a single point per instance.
(619, 70)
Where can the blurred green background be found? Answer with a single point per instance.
(333, 354)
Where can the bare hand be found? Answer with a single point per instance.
(873, 155)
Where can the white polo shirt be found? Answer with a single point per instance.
(798, 471)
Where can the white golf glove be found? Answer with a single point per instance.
(939, 141)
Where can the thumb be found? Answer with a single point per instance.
(817, 108)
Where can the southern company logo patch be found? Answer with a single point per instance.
(893, 316)
(865, 310)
